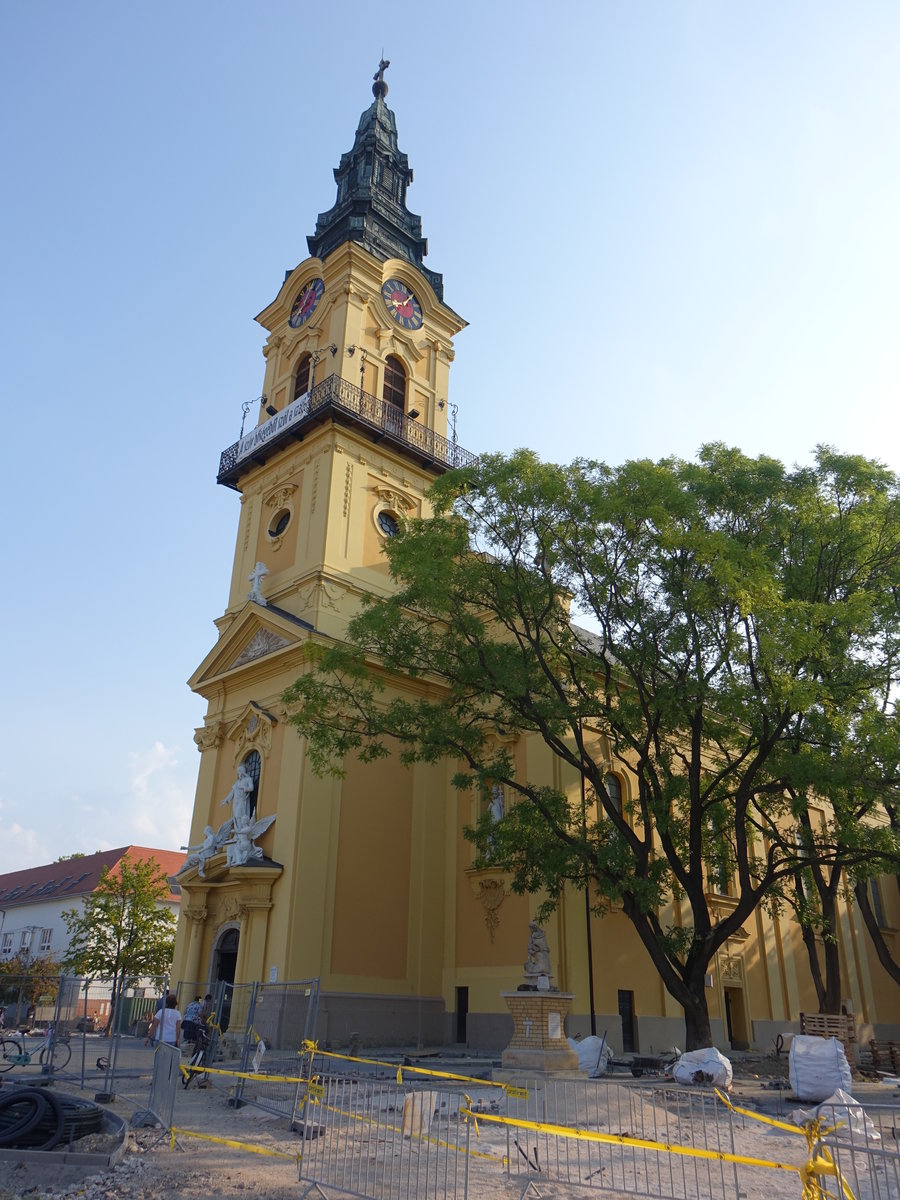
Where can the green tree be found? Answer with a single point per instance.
(25, 981)
(123, 931)
(740, 622)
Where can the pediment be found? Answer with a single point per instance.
(257, 633)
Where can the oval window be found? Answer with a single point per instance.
(280, 522)
(387, 523)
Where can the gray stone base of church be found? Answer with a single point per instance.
(377, 1020)
(370, 1019)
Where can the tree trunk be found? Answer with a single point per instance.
(697, 1031)
(815, 969)
(688, 989)
(861, 892)
(832, 998)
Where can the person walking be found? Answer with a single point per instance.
(166, 1025)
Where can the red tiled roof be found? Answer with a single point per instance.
(78, 876)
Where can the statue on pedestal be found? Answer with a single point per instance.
(241, 848)
(239, 796)
(538, 963)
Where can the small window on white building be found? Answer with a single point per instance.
(25, 940)
(7, 944)
(46, 939)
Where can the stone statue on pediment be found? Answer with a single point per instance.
(240, 796)
(213, 843)
(242, 849)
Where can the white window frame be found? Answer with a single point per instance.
(46, 939)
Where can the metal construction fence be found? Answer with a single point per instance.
(280, 1018)
(381, 1140)
(163, 1088)
(865, 1146)
(75, 1029)
(665, 1116)
(382, 1132)
(386, 1133)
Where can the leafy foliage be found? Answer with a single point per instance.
(733, 650)
(28, 979)
(123, 931)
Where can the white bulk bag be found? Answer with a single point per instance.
(818, 1067)
(593, 1054)
(703, 1066)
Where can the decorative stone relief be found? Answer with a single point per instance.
(394, 498)
(232, 909)
(209, 737)
(730, 968)
(348, 487)
(253, 732)
(491, 893)
(264, 641)
(280, 497)
(196, 912)
(248, 518)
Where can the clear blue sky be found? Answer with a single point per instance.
(667, 223)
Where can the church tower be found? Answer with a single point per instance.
(291, 876)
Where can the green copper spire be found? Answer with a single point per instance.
(371, 194)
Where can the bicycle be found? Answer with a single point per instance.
(198, 1060)
(54, 1054)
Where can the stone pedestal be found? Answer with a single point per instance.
(539, 1037)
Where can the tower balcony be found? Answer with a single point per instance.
(336, 399)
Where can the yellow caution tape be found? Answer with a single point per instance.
(746, 1112)
(586, 1135)
(206, 1137)
(312, 1048)
(186, 1069)
(813, 1131)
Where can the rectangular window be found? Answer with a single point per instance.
(875, 901)
(25, 940)
(7, 944)
(46, 939)
(724, 880)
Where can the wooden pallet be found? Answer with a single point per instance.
(836, 1025)
(885, 1055)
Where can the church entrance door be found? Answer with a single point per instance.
(224, 966)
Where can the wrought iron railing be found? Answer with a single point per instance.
(341, 398)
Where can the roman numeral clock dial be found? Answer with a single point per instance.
(305, 304)
(402, 304)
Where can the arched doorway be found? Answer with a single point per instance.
(224, 966)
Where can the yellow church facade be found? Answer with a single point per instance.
(367, 882)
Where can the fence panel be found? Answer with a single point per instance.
(380, 1140)
(666, 1116)
(279, 1018)
(866, 1149)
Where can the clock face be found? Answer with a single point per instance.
(305, 304)
(402, 304)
